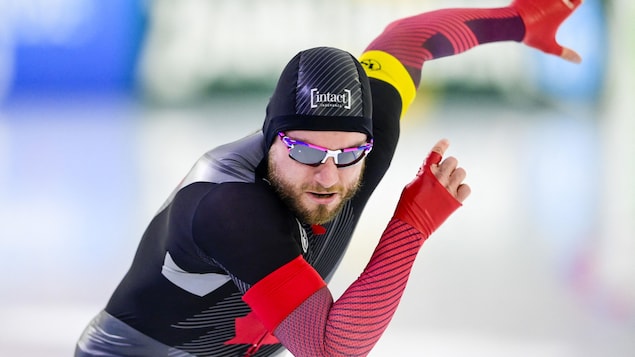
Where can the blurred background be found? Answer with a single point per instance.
(105, 105)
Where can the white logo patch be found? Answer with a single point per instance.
(328, 99)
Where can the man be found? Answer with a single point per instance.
(236, 261)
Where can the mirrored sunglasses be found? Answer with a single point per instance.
(314, 155)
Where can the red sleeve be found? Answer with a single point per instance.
(354, 323)
(294, 304)
(416, 39)
(274, 297)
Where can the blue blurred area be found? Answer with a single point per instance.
(69, 170)
(69, 46)
(76, 45)
(586, 33)
(69, 125)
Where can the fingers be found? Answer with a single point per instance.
(447, 171)
(456, 177)
(441, 146)
(567, 53)
(437, 153)
(451, 177)
(462, 192)
(570, 55)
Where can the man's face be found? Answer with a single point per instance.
(315, 193)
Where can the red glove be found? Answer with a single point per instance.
(542, 19)
(425, 203)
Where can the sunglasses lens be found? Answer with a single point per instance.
(307, 155)
(350, 157)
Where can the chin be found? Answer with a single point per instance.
(322, 214)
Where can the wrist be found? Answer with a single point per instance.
(425, 204)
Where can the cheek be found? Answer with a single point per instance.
(350, 175)
(290, 171)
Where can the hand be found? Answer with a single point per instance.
(447, 172)
(436, 192)
(542, 19)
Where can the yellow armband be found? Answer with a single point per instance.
(384, 67)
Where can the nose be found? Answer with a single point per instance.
(327, 174)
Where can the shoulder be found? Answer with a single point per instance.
(246, 229)
(236, 161)
(236, 201)
(232, 162)
(385, 68)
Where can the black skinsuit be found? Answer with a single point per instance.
(183, 291)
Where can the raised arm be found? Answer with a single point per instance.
(397, 55)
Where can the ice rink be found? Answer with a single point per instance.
(537, 263)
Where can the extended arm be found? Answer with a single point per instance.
(397, 55)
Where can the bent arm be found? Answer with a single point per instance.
(296, 305)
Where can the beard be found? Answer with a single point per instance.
(291, 195)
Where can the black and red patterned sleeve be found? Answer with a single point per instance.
(397, 55)
(293, 302)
